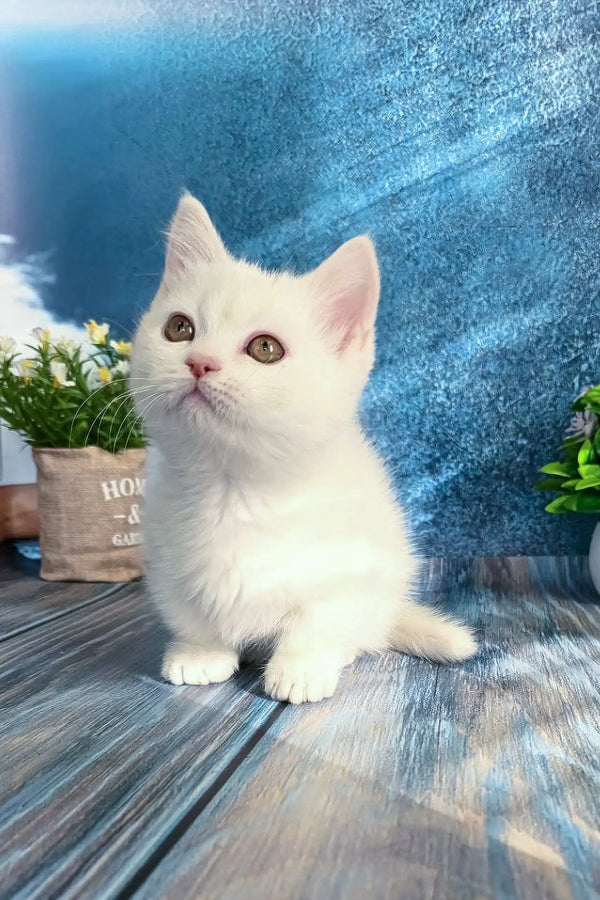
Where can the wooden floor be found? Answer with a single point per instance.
(471, 781)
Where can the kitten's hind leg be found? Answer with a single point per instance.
(192, 662)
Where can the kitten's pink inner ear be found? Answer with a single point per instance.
(192, 238)
(347, 289)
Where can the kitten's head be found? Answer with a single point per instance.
(232, 357)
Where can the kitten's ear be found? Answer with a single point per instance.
(192, 238)
(347, 289)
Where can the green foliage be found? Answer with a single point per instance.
(576, 479)
(67, 395)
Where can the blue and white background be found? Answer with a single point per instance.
(463, 135)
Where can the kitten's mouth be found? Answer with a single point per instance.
(215, 398)
(200, 395)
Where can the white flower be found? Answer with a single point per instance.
(121, 368)
(42, 336)
(99, 376)
(97, 333)
(66, 345)
(123, 348)
(58, 370)
(583, 425)
(7, 346)
(25, 368)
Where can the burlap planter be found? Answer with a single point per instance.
(90, 509)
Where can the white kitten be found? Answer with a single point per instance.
(269, 514)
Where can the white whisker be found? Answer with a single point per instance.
(100, 416)
(136, 420)
(139, 419)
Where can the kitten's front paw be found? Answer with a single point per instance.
(300, 679)
(186, 664)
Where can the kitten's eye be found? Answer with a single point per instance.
(179, 328)
(265, 349)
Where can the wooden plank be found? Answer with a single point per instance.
(561, 576)
(26, 601)
(479, 780)
(101, 761)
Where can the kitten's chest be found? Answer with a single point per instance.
(247, 560)
(228, 549)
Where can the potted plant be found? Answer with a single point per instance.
(70, 402)
(576, 477)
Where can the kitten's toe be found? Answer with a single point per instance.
(298, 680)
(188, 665)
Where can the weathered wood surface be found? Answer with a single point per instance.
(471, 781)
(27, 601)
(480, 780)
(562, 576)
(101, 760)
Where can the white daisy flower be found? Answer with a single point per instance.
(66, 345)
(42, 336)
(583, 425)
(98, 376)
(7, 348)
(58, 370)
(123, 348)
(121, 368)
(8, 345)
(24, 368)
(97, 333)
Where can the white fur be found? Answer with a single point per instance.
(269, 514)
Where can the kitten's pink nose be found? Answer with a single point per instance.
(200, 366)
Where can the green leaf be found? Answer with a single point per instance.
(589, 471)
(587, 483)
(590, 398)
(572, 443)
(586, 453)
(571, 483)
(549, 484)
(557, 468)
(558, 505)
(585, 503)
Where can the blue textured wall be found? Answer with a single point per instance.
(463, 135)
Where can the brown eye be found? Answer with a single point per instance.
(179, 328)
(265, 349)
